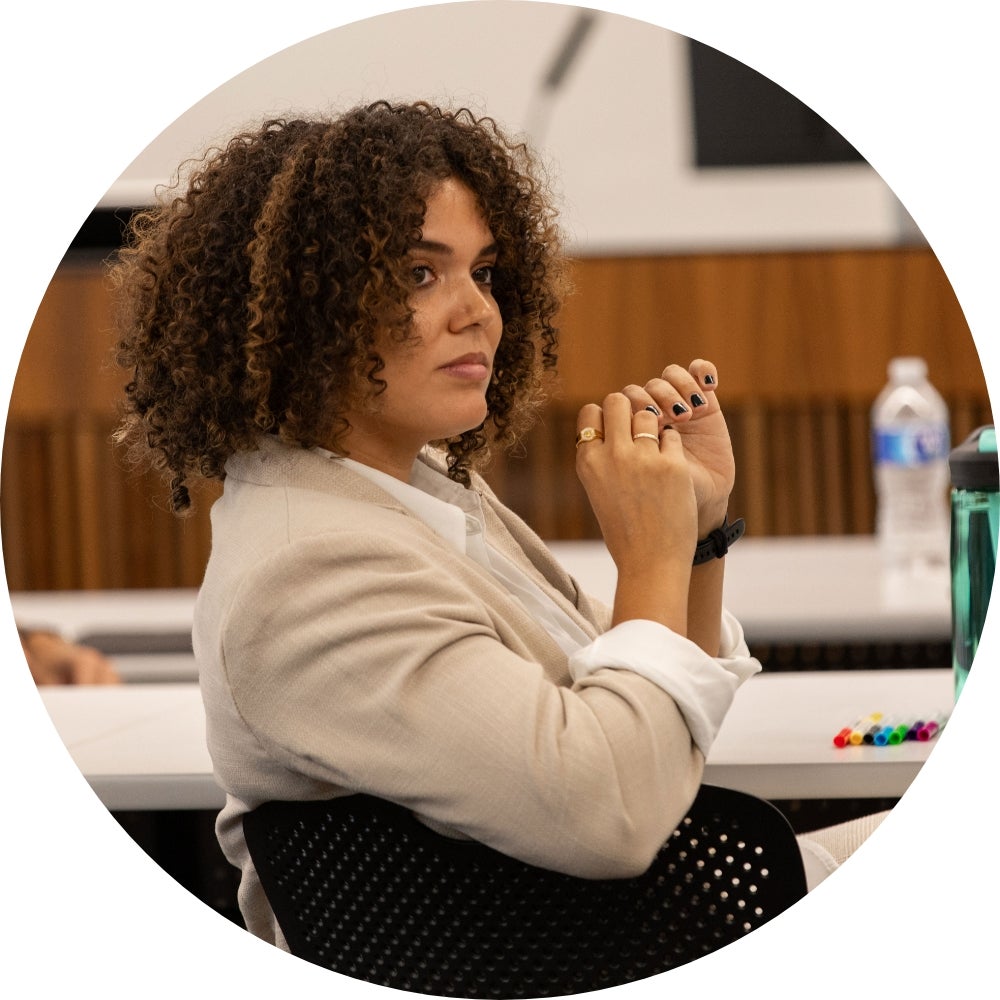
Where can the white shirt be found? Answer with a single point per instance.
(702, 686)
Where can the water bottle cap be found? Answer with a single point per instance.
(907, 369)
(973, 463)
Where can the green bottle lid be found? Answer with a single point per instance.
(973, 463)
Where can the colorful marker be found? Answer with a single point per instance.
(882, 736)
(872, 732)
(868, 730)
(843, 737)
(930, 729)
(880, 730)
(862, 726)
(899, 734)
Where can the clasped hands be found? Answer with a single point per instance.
(658, 468)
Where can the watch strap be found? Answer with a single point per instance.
(717, 543)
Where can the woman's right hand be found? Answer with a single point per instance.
(639, 485)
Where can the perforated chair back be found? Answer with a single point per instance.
(362, 888)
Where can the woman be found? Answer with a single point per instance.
(339, 318)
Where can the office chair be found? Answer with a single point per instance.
(361, 887)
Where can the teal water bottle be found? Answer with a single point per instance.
(975, 513)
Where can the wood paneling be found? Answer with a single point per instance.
(803, 468)
(801, 341)
(778, 325)
(66, 366)
(74, 518)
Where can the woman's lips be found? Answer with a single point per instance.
(474, 367)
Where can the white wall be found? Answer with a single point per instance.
(618, 134)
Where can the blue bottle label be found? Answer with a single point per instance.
(915, 445)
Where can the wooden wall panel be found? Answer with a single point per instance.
(803, 468)
(778, 325)
(801, 340)
(66, 365)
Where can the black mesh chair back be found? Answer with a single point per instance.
(361, 887)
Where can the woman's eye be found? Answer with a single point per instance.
(422, 274)
(484, 275)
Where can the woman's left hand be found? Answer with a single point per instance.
(686, 401)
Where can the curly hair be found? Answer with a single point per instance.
(249, 301)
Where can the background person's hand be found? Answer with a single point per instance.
(53, 660)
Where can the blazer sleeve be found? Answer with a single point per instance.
(363, 662)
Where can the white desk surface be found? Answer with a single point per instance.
(156, 668)
(829, 588)
(782, 590)
(143, 746)
(77, 613)
(777, 740)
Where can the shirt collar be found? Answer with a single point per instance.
(441, 503)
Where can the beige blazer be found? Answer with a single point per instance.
(344, 647)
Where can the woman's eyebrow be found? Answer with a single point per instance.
(433, 246)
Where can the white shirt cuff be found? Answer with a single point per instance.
(702, 686)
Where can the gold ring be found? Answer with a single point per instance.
(588, 434)
(652, 437)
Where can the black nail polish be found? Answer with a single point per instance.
(678, 409)
(652, 409)
(697, 400)
(709, 380)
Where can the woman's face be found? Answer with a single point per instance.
(436, 379)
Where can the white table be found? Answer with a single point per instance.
(826, 589)
(777, 740)
(77, 614)
(157, 668)
(143, 746)
(157, 621)
(140, 746)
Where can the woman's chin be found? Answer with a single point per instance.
(471, 422)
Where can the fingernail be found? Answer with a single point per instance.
(678, 409)
(697, 399)
(652, 409)
(709, 380)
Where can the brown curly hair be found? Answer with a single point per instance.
(249, 302)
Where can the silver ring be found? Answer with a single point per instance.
(652, 437)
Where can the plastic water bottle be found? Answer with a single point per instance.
(911, 442)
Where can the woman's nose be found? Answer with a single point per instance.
(472, 305)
